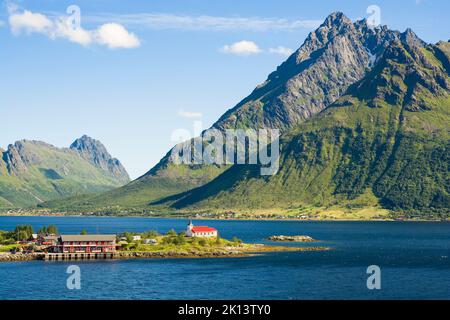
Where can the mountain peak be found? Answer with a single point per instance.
(86, 144)
(336, 19)
(95, 152)
(84, 139)
(411, 39)
(330, 59)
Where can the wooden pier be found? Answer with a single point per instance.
(79, 256)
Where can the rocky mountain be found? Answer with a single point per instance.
(33, 171)
(333, 57)
(383, 144)
(342, 63)
(95, 152)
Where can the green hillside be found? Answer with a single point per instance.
(384, 145)
(137, 195)
(32, 172)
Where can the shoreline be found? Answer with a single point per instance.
(247, 250)
(218, 219)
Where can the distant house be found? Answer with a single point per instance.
(34, 237)
(47, 240)
(149, 241)
(137, 238)
(85, 244)
(200, 231)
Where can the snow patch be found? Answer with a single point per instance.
(372, 57)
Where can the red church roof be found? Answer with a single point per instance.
(203, 229)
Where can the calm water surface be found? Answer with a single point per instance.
(413, 257)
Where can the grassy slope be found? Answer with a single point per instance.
(332, 168)
(135, 196)
(348, 159)
(58, 173)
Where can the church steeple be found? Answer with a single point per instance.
(190, 225)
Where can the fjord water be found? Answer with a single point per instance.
(413, 257)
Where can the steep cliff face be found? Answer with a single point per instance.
(95, 152)
(13, 161)
(33, 171)
(333, 57)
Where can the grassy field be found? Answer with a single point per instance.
(7, 248)
(182, 243)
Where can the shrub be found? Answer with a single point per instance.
(236, 240)
(172, 233)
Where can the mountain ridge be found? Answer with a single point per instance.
(176, 178)
(33, 171)
(391, 150)
(335, 66)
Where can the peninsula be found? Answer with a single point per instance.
(23, 244)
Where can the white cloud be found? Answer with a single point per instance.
(205, 23)
(283, 51)
(112, 35)
(29, 22)
(115, 36)
(189, 115)
(65, 31)
(243, 48)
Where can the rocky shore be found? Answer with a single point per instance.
(245, 250)
(174, 254)
(241, 251)
(9, 257)
(291, 238)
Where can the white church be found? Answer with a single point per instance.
(200, 231)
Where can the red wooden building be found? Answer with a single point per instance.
(85, 244)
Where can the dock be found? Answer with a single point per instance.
(79, 256)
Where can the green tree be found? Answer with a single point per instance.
(42, 231)
(22, 235)
(179, 240)
(52, 229)
(129, 237)
(151, 234)
(83, 232)
(23, 232)
(236, 240)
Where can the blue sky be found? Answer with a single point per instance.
(138, 70)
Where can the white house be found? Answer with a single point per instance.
(200, 231)
(137, 238)
(149, 241)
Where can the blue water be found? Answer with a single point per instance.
(413, 257)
